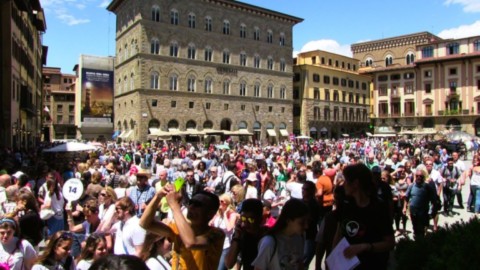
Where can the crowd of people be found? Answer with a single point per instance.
(175, 205)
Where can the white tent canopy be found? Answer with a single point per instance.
(70, 147)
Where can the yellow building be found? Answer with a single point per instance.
(331, 99)
(22, 56)
(201, 66)
(423, 83)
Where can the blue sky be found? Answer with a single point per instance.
(77, 27)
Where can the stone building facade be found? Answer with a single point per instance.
(59, 100)
(422, 82)
(202, 64)
(331, 99)
(22, 55)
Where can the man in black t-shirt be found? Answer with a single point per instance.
(247, 235)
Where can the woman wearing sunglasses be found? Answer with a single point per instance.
(56, 255)
(15, 253)
(106, 211)
(283, 246)
(154, 250)
(225, 219)
(95, 248)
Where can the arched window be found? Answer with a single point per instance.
(242, 125)
(256, 33)
(173, 82)
(208, 54)
(243, 58)
(125, 83)
(270, 63)
(226, 57)
(191, 20)
(256, 61)
(191, 51)
(282, 39)
(410, 58)
(154, 80)
(243, 88)
(282, 65)
(243, 30)
(369, 62)
(256, 90)
(208, 24)
(270, 91)
(191, 84)
(155, 46)
(174, 17)
(269, 36)
(208, 85)
(191, 124)
(208, 124)
(155, 13)
(226, 27)
(283, 92)
(388, 60)
(174, 49)
(172, 124)
(226, 87)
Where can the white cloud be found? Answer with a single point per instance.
(104, 3)
(470, 6)
(462, 31)
(65, 10)
(328, 45)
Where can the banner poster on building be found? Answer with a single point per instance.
(97, 93)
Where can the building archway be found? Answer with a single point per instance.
(154, 123)
(477, 127)
(428, 123)
(172, 124)
(242, 125)
(226, 124)
(454, 123)
(257, 130)
(191, 125)
(208, 124)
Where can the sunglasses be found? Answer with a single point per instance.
(249, 219)
(103, 194)
(196, 203)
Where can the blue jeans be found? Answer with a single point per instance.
(54, 225)
(221, 263)
(309, 252)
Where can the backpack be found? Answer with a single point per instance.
(221, 187)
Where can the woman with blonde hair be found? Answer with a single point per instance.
(238, 195)
(225, 219)
(106, 211)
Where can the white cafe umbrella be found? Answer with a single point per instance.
(70, 147)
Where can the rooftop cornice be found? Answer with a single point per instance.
(382, 44)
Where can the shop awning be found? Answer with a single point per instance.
(284, 133)
(240, 132)
(271, 133)
(385, 135)
(122, 134)
(209, 131)
(128, 134)
(175, 132)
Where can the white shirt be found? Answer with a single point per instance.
(128, 237)
(295, 190)
(158, 263)
(16, 261)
